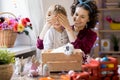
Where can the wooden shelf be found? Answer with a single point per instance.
(109, 9)
(110, 52)
(109, 31)
(105, 29)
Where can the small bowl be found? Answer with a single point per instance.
(115, 26)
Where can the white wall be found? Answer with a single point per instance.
(14, 6)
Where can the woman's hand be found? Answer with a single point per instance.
(63, 21)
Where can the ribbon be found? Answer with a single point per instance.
(85, 3)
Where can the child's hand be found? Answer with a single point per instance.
(51, 19)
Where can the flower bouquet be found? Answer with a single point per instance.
(114, 23)
(10, 26)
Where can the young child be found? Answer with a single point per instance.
(56, 35)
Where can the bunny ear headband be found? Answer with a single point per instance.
(85, 3)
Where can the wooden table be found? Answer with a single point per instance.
(56, 76)
(15, 77)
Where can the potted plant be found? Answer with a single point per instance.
(6, 66)
(115, 42)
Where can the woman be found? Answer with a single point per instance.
(85, 16)
(84, 13)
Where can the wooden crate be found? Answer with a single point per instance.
(62, 62)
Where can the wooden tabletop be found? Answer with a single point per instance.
(55, 76)
(25, 77)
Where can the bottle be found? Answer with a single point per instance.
(46, 71)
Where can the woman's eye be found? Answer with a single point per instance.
(82, 17)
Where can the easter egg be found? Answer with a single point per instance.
(110, 72)
(97, 59)
(46, 78)
(104, 59)
(65, 77)
(103, 66)
(104, 72)
(110, 65)
(71, 72)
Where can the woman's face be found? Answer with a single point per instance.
(80, 18)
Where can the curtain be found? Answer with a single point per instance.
(36, 13)
(35, 10)
(26, 8)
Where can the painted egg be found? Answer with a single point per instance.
(104, 72)
(103, 66)
(97, 59)
(110, 65)
(71, 72)
(104, 59)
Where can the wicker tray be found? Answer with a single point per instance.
(7, 37)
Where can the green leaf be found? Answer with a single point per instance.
(30, 27)
(6, 57)
(115, 40)
(26, 32)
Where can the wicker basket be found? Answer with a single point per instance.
(6, 71)
(7, 37)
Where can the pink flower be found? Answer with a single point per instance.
(109, 19)
(16, 24)
(25, 21)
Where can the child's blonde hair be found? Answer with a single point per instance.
(56, 9)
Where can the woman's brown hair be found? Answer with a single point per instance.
(89, 6)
